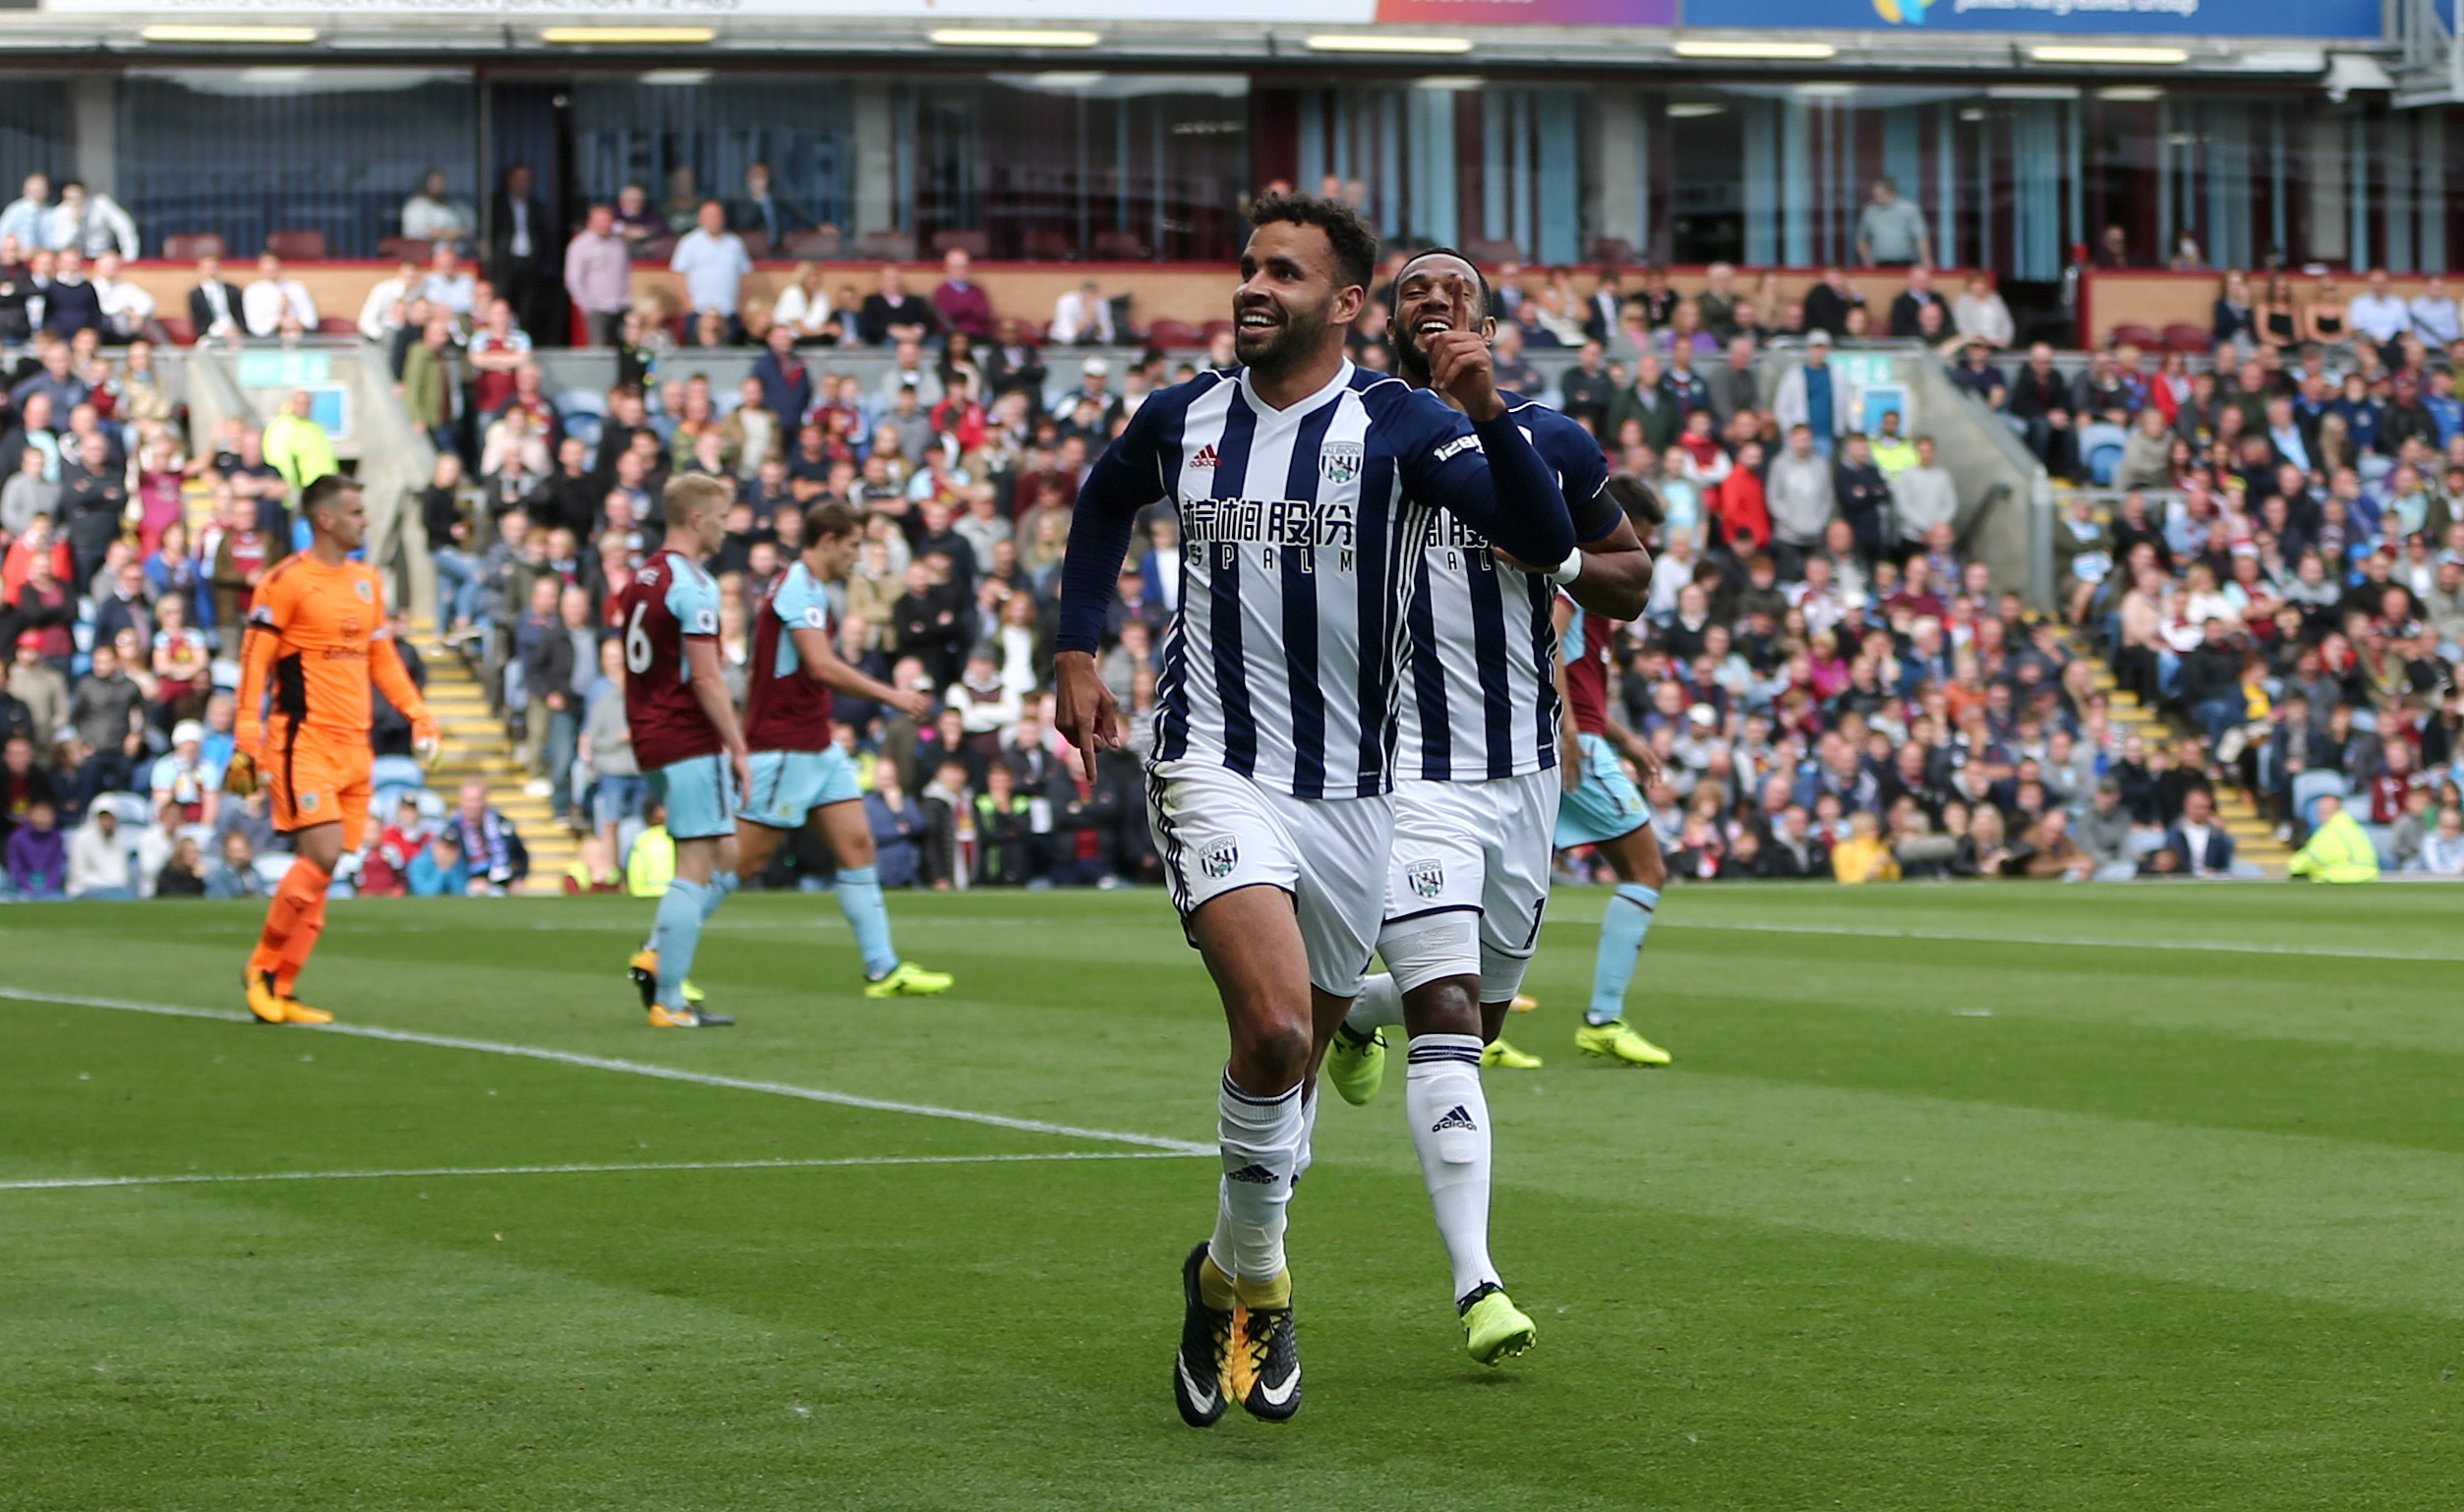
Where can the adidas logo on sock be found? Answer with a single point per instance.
(1254, 1174)
(1456, 1118)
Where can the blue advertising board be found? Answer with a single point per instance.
(2345, 19)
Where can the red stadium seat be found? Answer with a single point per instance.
(886, 247)
(975, 243)
(297, 246)
(1173, 333)
(189, 246)
(336, 325)
(1615, 250)
(2194, 339)
(181, 331)
(655, 252)
(1047, 247)
(1489, 252)
(2129, 334)
(1120, 246)
(819, 245)
(407, 249)
(756, 244)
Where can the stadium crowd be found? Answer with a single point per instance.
(1824, 686)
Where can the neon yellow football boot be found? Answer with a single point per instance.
(1356, 1064)
(1505, 1057)
(1493, 1327)
(1618, 1041)
(907, 979)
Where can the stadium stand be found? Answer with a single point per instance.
(2244, 590)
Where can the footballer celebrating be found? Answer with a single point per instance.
(1304, 487)
(799, 775)
(1477, 785)
(685, 737)
(316, 642)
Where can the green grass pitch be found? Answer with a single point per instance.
(1958, 1197)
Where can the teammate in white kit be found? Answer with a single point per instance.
(1482, 763)
(1303, 485)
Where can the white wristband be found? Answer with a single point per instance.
(1569, 569)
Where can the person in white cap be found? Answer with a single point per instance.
(186, 788)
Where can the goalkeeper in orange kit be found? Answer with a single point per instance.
(316, 640)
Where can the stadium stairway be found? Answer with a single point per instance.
(2253, 839)
(476, 748)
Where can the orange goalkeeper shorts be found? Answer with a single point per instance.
(312, 779)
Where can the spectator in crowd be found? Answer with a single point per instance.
(432, 214)
(892, 314)
(485, 841)
(102, 859)
(296, 445)
(1811, 394)
(26, 219)
(599, 276)
(216, 305)
(273, 299)
(1891, 231)
(39, 856)
(961, 303)
(386, 309)
(89, 223)
(183, 875)
(1083, 317)
(713, 262)
(898, 827)
(518, 247)
(764, 210)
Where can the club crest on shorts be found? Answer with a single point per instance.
(1218, 862)
(1339, 461)
(308, 803)
(1426, 878)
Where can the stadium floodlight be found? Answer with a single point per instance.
(628, 36)
(1016, 37)
(2143, 57)
(1755, 51)
(242, 36)
(1360, 41)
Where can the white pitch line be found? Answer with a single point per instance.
(2214, 947)
(50, 1184)
(640, 1069)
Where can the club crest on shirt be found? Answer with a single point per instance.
(366, 594)
(1339, 461)
(1218, 862)
(1426, 878)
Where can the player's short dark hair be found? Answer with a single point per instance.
(831, 520)
(1355, 243)
(688, 493)
(1639, 500)
(327, 490)
(1488, 295)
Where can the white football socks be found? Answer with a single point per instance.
(1449, 1116)
(1260, 1138)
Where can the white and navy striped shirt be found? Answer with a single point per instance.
(1481, 702)
(1282, 659)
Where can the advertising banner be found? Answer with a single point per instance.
(2351, 19)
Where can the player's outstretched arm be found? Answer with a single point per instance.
(824, 665)
(259, 644)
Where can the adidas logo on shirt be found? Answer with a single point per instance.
(1254, 1174)
(1456, 1118)
(1206, 457)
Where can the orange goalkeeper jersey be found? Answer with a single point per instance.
(316, 640)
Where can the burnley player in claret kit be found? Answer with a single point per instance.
(799, 776)
(1482, 762)
(684, 735)
(1305, 487)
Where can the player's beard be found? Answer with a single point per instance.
(1285, 347)
(1410, 357)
